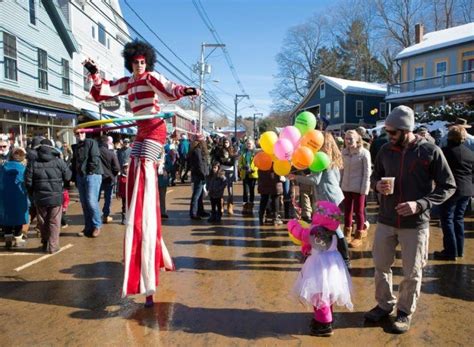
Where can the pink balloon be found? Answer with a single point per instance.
(291, 133)
(283, 149)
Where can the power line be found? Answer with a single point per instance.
(209, 98)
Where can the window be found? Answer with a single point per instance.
(419, 108)
(382, 110)
(419, 73)
(101, 31)
(42, 69)
(359, 108)
(87, 81)
(32, 12)
(65, 75)
(322, 90)
(441, 68)
(328, 111)
(468, 65)
(336, 109)
(9, 53)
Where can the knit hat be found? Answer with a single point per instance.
(327, 215)
(401, 118)
(18, 154)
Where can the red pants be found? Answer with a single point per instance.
(354, 203)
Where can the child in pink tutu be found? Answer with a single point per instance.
(324, 279)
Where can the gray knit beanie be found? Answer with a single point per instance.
(401, 118)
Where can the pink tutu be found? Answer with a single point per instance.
(324, 279)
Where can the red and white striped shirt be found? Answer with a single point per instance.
(144, 92)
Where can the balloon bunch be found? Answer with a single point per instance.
(297, 146)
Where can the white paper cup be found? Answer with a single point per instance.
(391, 181)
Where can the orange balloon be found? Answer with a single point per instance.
(302, 157)
(313, 139)
(263, 161)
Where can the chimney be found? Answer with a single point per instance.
(419, 32)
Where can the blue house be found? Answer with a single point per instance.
(36, 51)
(344, 103)
(436, 70)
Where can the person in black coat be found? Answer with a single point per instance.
(110, 168)
(88, 175)
(461, 161)
(199, 164)
(44, 180)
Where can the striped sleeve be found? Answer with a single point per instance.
(168, 90)
(104, 89)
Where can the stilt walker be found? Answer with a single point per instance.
(145, 252)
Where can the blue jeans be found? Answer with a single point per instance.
(452, 223)
(230, 178)
(89, 187)
(197, 205)
(107, 186)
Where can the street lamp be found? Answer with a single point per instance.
(255, 125)
(203, 69)
(236, 101)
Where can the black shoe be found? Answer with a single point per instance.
(211, 219)
(376, 314)
(402, 323)
(196, 218)
(443, 256)
(164, 216)
(320, 329)
(204, 214)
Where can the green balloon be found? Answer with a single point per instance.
(320, 163)
(305, 122)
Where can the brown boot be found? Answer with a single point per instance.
(222, 205)
(245, 209)
(230, 208)
(347, 234)
(364, 232)
(250, 209)
(357, 240)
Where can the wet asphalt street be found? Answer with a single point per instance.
(231, 287)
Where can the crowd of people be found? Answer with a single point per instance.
(36, 180)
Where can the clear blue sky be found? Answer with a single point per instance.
(253, 31)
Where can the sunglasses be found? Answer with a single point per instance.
(391, 132)
(3, 146)
(141, 61)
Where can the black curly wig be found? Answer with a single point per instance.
(136, 48)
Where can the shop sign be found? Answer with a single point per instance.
(39, 112)
(112, 104)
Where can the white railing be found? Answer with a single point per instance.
(442, 81)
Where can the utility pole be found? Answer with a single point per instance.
(236, 101)
(255, 125)
(203, 69)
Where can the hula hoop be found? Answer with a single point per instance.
(122, 120)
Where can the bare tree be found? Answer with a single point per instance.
(297, 61)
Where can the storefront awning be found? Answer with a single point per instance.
(96, 116)
(32, 109)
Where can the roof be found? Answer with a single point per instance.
(345, 86)
(61, 25)
(355, 86)
(440, 39)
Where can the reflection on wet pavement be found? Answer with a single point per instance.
(232, 287)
